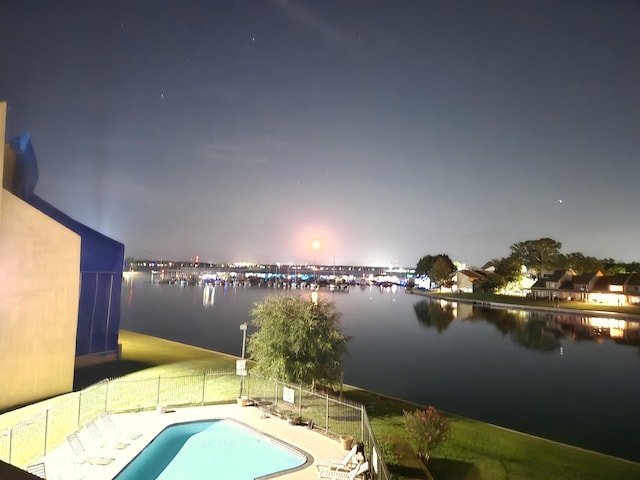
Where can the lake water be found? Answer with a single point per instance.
(569, 378)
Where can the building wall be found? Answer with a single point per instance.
(464, 283)
(39, 290)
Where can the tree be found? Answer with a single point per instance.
(612, 267)
(538, 254)
(297, 340)
(509, 268)
(577, 262)
(425, 264)
(442, 268)
(426, 429)
(490, 283)
(437, 267)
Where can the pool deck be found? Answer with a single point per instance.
(62, 464)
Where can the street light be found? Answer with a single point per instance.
(243, 327)
(241, 365)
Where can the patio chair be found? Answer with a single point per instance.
(356, 472)
(38, 470)
(95, 433)
(109, 425)
(81, 454)
(346, 463)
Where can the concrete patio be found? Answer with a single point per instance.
(61, 463)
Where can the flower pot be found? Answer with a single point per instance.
(346, 441)
(242, 401)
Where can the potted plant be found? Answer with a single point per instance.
(346, 441)
(242, 401)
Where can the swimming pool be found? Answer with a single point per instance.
(221, 448)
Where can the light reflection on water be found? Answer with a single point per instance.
(555, 375)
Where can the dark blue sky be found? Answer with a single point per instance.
(387, 130)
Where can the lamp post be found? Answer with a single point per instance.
(242, 370)
(243, 327)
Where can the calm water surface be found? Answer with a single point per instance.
(561, 377)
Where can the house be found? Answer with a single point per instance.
(550, 287)
(580, 285)
(632, 289)
(465, 280)
(620, 289)
(595, 287)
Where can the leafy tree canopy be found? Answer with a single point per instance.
(297, 340)
(442, 268)
(491, 282)
(579, 263)
(611, 267)
(537, 254)
(509, 268)
(437, 267)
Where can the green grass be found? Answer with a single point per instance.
(473, 451)
(476, 450)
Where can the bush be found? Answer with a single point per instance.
(426, 429)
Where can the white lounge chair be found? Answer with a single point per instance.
(109, 425)
(81, 454)
(100, 440)
(340, 474)
(37, 469)
(345, 463)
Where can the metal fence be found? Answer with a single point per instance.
(47, 430)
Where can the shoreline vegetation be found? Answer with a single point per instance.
(473, 451)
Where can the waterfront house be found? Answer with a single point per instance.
(465, 281)
(632, 289)
(550, 287)
(620, 289)
(580, 285)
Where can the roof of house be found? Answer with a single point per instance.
(585, 278)
(602, 284)
(554, 277)
(634, 279)
(474, 275)
(540, 283)
(619, 278)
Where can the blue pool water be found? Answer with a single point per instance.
(216, 449)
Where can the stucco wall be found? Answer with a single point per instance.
(39, 289)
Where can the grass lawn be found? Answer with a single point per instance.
(473, 451)
(476, 450)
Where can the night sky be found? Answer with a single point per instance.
(386, 130)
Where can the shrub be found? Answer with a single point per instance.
(426, 429)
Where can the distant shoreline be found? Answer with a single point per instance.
(546, 308)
